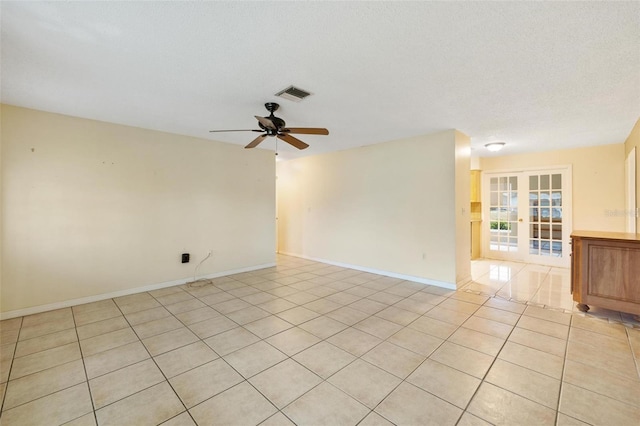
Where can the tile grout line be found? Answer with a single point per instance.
(564, 365)
(40, 371)
(244, 380)
(127, 322)
(156, 363)
(495, 358)
(322, 380)
(402, 380)
(288, 357)
(201, 339)
(382, 340)
(428, 357)
(126, 366)
(636, 360)
(15, 348)
(151, 357)
(84, 366)
(324, 340)
(48, 368)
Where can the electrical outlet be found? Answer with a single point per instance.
(185, 257)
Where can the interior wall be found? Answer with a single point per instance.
(598, 181)
(389, 207)
(1, 207)
(462, 209)
(92, 208)
(475, 163)
(633, 141)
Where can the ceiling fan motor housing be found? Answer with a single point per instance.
(271, 106)
(277, 121)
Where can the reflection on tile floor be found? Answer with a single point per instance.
(542, 286)
(311, 343)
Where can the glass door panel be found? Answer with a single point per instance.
(503, 214)
(545, 199)
(526, 217)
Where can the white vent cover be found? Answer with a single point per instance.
(293, 93)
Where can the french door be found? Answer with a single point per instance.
(527, 216)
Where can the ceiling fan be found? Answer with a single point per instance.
(275, 126)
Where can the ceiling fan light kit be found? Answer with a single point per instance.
(275, 126)
(495, 146)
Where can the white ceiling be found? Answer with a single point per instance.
(536, 75)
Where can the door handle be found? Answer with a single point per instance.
(519, 220)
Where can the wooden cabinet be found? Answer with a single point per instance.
(476, 214)
(605, 270)
(475, 186)
(475, 239)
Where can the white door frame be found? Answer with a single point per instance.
(523, 213)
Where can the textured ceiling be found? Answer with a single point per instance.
(537, 75)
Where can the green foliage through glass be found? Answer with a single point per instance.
(503, 226)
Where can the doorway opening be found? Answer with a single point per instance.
(527, 216)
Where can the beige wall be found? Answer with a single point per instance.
(598, 181)
(462, 209)
(389, 207)
(1, 209)
(633, 141)
(91, 208)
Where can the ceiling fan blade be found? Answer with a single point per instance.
(293, 141)
(266, 122)
(306, 130)
(256, 141)
(236, 130)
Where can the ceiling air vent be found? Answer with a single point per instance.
(293, 94)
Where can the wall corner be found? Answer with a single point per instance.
(462, 202)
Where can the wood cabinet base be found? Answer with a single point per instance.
(605, 270)
(582, 307)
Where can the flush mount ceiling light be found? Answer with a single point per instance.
(495, 146)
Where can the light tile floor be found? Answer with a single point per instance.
(537, 285)
(310, 343)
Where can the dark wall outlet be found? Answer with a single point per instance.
(185, 257)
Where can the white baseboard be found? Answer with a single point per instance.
(421, 280)
(104, 296)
